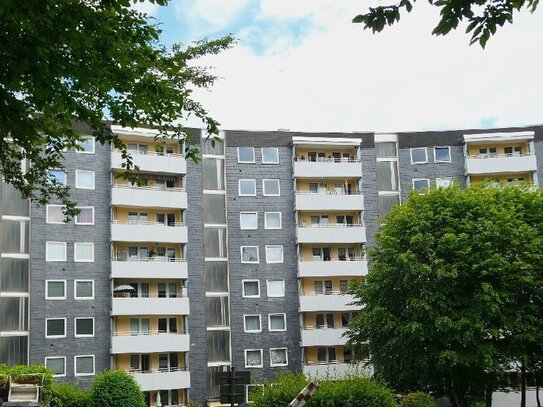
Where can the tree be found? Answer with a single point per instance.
(483, 16)
(69, 61)
(455, 291)
(116, 388)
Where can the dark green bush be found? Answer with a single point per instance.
(116, 388)
(417, 399)
(68, 395)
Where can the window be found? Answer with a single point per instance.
(84, 252)
(58, 176)
(385, 150)
(253, 357)
(387, 176)
(270, 187)
(217, 311)
(274, 254)
(248, 220)
(213, 173)
(324, 321)
(252, 323)
(326, 355)
(84, 327)
(84, 365)
(277, 322)
(246, 155)
(218, 346)
(419, 155)
(215, 242)
(54, 214)
(57, 365)
(270, 155)
(84, 289)
(84, 179)
(386, 202)
(421, 183)
(272, 220)
(85, 216)
(278, 357)
(216, 276)
(276, 288)
(55, 251)
(214, 209)
(251, 288)
(55, 290)
(55, 327)
(247, 187)
(86, 145)
(444, 182)
(442, 154)
(489, 152)
(249, 254)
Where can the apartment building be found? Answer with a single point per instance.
(240, 260)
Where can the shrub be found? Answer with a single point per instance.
(22, 373)
(68, 395)
(116, 388)
(417, 399)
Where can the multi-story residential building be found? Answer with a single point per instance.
(240, 260)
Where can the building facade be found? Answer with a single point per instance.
(240, 260)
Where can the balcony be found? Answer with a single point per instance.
(482, 164)
(323, 336)
(334, 301)
(149, 268)
(150, 306)
(154, 341)
(149, 232)
(334, 370)
(152, 162)
(155, 197)
(328, 168)
(340, 233)
(357, 267)
(306, 201)
(163, 379)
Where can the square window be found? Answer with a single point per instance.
(276, 288)
(270, 187)
(274, 254)
(84, 252)
(84, 327)
(58, 176)
(86, 145)
(421, 184)
(248, 220)
(246, 155)
(442, 154)
(54, 214)
(247, 187)
(55, 290)
(278, 357)
(277, 322)
(419, 155)
(253, 357)
(84, 365)
(251, 288)
(84, 179)
(249, 254)
(84, 289)
(57, 365)
(270, 155)
(55, 251)
(444, 182)
(55, 327)
(85, 216)
(272, 220)
(252, 323)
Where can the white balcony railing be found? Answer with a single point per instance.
(334, 369)
(329, 201)
(337, 233)
(158, 379)
(323, 336)
(328, 168)
(500, 163)
(152, 161)
(149, 341)
(149, 232)
(148, 196)
(151, 305)
(331, 301)
(352, 267)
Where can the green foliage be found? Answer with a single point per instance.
(25, 374)
(116, 388)
(483, 16)
(351, 392)
(417, 399)
(69, 61)
(68, 395)
(193, 404)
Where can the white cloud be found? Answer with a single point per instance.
(146, 7)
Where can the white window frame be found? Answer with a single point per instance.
(248, 213)
(278, 186)
(268, 288)
(418, 162)
(93, 365)
(47, 289)
(77, 216)
(47, 215)
(247, 162)
(261, 358)
(84, 335)
(65, 176)
(442, 161)
(57, 357)
(275, 364)
(284, 319)
(93, 145)
(247, 391)
(250, 262)
(266, 226)
(75, 252)
(246, 179)
(47, 250)
(55, 336)
(75, 290)
(259, 322)
(450, 179)
(77, 180)
(243, 288)
(282, 254)
(270, 162)
(420, 179)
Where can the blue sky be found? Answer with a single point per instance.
(302, 65)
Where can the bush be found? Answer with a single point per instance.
(417, 399)
(68, 395)
(116, 388)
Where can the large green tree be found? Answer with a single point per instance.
(67, 61)
(454, 295)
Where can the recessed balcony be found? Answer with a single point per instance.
(312, 336)
(152, 341)
(333, 301)
(328, 168)
(355, 267)
(149, 268)
(152, 162)
(146, 196)
(307, 201)
(334, 370)
(149, 232)
(337, 233)
(150, 305)
(163, 379)
(482, 164)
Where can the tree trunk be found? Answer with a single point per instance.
(523, 384)
(536, 374)
(489, 390)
